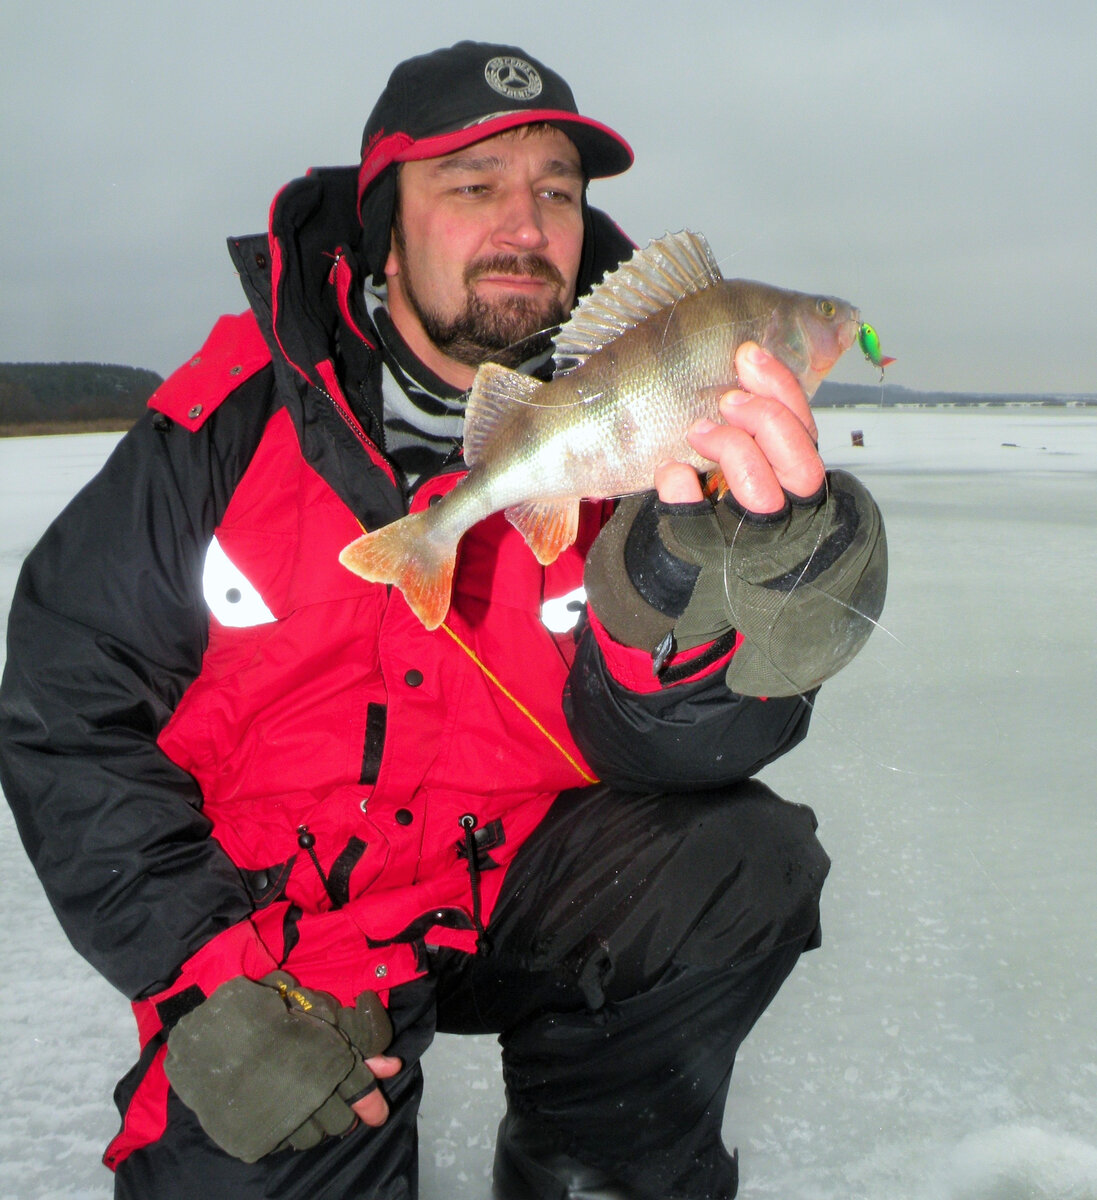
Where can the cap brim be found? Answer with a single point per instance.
(601, 151)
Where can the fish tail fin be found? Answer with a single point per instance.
(405, 555)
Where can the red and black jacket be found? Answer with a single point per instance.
(225, 752)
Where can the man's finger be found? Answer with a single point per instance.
(677, 484)
(749, 474)
(373, 1108)
(779, 436)
(384, 1066)
(763, 375)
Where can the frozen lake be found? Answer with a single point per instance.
(942, 1045)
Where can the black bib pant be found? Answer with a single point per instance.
(636, 941)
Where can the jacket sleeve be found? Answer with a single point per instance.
(689, 735)
(107, 629)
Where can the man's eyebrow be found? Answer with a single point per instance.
(491, 162)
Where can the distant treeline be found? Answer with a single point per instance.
(846, 395)
(73, 394)
(62, 397)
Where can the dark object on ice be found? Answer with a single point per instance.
(857, 437)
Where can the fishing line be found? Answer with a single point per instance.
(848, 736)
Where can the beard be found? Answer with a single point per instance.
(508, 331)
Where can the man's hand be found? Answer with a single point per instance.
(269, 1065)
(795, 562)
(765, 448)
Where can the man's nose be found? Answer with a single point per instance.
(520, 223)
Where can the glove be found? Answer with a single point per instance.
(804, 586)
(267, 1065)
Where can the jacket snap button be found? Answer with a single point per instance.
(235, 370)
(413, 678)
(404, 816)
(381, 971)
(194, 411)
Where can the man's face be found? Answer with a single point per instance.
(486, 248)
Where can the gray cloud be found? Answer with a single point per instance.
(934, 164)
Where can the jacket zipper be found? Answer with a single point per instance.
(468, 824)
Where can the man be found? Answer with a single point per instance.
(300, 831)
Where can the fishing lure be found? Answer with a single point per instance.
(869, 341)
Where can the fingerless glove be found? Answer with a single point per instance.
(269, 1065)
(804, 586)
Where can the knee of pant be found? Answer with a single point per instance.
(773, 873)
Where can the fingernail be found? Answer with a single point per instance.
(703, 425)
(754, 354)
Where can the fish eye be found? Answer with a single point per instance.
(825, 307)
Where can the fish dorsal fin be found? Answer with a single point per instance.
(495, 392)
(666, 270)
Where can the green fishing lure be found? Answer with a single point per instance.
(869, 341)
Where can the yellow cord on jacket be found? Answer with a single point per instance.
(493, 678)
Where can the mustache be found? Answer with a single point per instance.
(530, 265)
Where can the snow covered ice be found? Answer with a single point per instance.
(942, 1044)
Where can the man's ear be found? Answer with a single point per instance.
(396, 233)
(377, 215)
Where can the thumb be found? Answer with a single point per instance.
(373, 1109)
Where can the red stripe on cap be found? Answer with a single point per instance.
(400, 147)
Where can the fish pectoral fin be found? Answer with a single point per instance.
(401, 554)
(548, 526)
(715, 486)
(495, 392)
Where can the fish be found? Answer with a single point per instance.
(645, 354)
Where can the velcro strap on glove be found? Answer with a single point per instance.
(804, 586)
(268, 1065)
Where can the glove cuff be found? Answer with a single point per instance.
(637, 587)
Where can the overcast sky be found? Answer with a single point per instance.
(933, 163)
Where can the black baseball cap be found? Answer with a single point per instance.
(440, 102)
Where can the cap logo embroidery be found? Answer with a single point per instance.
(513, 77)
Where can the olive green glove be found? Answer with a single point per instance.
(268, 1065)
(804, 586)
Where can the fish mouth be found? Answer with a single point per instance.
(828, 350)
(849, 330)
